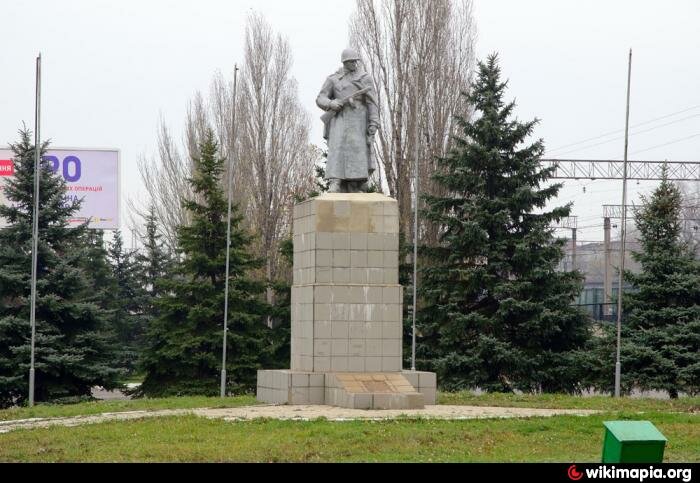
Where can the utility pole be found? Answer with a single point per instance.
(228, 232)
(35, 226)
(607, 281)
(573, 249)
(623, 227)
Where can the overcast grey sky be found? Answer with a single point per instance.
(111, 69)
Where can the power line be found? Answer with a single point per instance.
(631, 134)
(666, 144)
(622, 130)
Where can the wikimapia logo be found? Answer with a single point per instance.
(574, 474)
(640, 474)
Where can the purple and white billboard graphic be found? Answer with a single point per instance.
(90, 174)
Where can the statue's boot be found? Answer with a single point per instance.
(335, 186)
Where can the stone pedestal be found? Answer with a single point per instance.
(346, 310)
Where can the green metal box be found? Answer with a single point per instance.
(632, 442)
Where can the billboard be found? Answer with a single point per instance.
(90, 174)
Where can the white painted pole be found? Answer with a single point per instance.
(415, 238)
(35, 227)
(228, 232)
(623, 225)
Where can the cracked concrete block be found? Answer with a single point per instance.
(317, 395)
(299, 395)
(300, 380)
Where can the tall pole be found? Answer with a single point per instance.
(573, 249)
(623, 234)
(35, 227)
(607, 281)
(228, 231)
(415, 237)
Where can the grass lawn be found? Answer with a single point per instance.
(97, 407)
(562, 401)
(190, 438)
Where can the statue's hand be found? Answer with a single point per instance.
(372, 130)
(335, 105)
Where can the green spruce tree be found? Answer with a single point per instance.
(154, 264)
(661, 329)
(184, 344)
(495, 313)
(72, 351)
(127, 304)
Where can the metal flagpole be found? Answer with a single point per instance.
(228, 231)
(415, 239)
(618, 365)
(35, 227)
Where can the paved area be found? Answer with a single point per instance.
(302, 413)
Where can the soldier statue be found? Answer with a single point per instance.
(350, 123)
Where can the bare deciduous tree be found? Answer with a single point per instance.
(273, 150)
(267, 148)
(690, 212)
(165, 182)
(421, 57)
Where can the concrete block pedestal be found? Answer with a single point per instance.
(346, 309)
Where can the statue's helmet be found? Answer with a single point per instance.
(349, 54)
